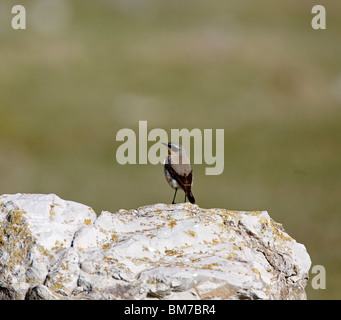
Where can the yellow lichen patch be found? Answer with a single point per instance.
(255, 270)
(170, 252)
(58, 245)
(172, 224)
(235, 247)
(159, 226)
(16, 237)
(106, 246)
(231, 256)
(45, 252)
(190, 233)
(279, 233)
(122, 220)
(56, 285)
(263, 220)
(141, 261)
(194, 260)
(87, 222)
(108, 259)
(114, 237)
(255, 213)
(209, 266)
(92, 210)
(52, 213)
(180, 264)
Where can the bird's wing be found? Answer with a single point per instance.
(184, 180)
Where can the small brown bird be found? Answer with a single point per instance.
(178, 171)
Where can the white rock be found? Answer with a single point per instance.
(56, 249)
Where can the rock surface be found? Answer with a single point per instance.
(56, 249)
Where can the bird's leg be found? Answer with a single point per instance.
(185, 198)
(174, 196)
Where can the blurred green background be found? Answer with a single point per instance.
(82, 70)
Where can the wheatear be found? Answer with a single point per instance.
(178, 171)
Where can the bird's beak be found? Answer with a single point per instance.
(165, 144)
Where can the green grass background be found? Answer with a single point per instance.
(82, 70)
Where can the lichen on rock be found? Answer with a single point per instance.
(56, 249)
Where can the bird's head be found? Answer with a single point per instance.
(174, 148)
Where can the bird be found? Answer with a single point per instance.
(178, 170)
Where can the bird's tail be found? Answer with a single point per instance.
(190, 196)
